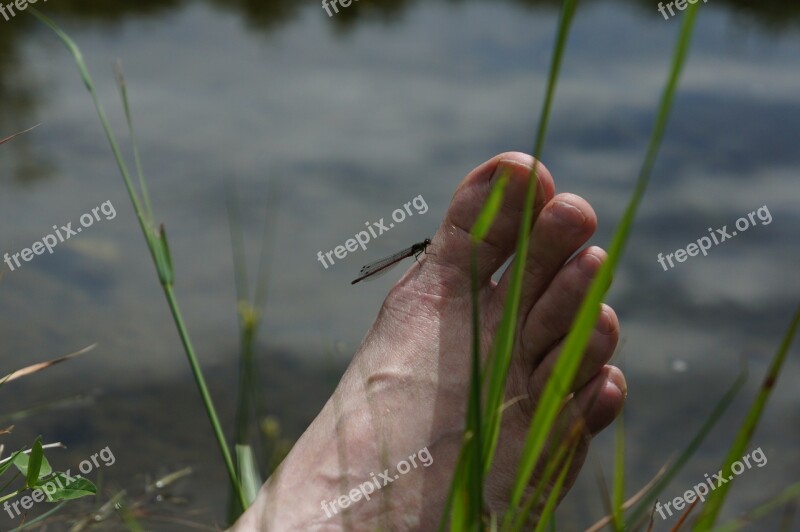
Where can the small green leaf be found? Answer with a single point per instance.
(13, 461)
(60, 487)
(33, 466)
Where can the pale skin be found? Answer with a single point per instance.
(406, 387)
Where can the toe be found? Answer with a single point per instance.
(451, 244)
(597, 404)
(599, 351)
(602, 399)
(563, 226)
(551, 317)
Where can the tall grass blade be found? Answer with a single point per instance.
(159, 250)
(123, 92)
(716, 498)
(500, 357)
(489, 211)
(608, 519)
(246, 334)
(618, 499)
(465, 500)
(35, 521)
(250, 314)
(571, 354)
(790, 494)
(237, 250)
(567, 446)
(646, 504)
(548, 516)
(452, 506)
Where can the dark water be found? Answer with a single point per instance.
(343, 120)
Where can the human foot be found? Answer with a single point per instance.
(382, 451)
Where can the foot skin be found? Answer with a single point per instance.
(404, 394)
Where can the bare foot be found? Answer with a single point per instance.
(381, 453)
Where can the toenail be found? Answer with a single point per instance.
(618, 380)
(605, 324)
(568, 214)
(506, 166)
(589, 264)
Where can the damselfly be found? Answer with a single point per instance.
(387, 262)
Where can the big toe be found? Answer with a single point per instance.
(452, 245)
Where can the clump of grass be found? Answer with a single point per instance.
(32, 466)
(464, 506)
(156, 238)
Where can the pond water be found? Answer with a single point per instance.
(328, 123)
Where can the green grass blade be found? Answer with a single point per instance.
(555, 494)
(489, 211)
(250, 400)
(571, 355)
(473, 462)
(166, 272)
(87, 80)
(792, 493)
(202, 387)
(451, 504)
(619, 474)
(12, 460)
(716, 498)
(237, 250)
(123, 93)
(568, 445)
(28, 524)
(467, 509)
(248, 472)
(246, 333)
(475, 476)
(645, 505)
(506, 331)
(267, 235)
(159, 250)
